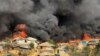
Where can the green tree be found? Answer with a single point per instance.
(31, 45)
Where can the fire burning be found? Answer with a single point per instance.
(44, 17)
(87, 37)
(20, 32)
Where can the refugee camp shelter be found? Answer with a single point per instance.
(46, 49)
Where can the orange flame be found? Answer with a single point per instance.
(21, 32)
(21, 35)
(86, 37)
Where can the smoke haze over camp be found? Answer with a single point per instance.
(56, 19)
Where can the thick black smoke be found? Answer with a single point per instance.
(78, 16)
(56, 19)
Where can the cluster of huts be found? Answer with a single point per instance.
(48, 49)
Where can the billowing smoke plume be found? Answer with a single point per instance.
(56, 19)
(38, 15)
(78, 16)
